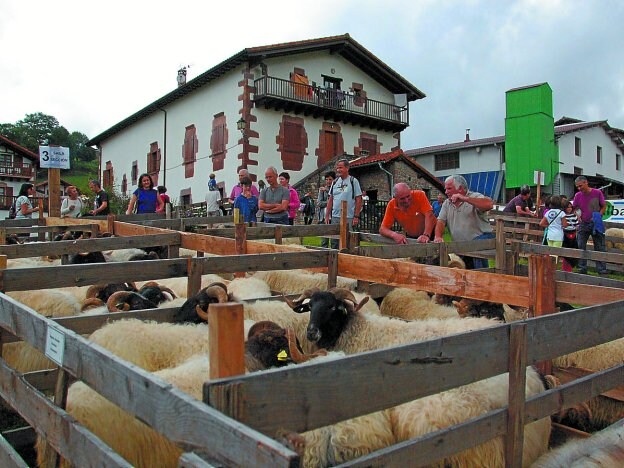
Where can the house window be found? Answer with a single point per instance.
(218, 141)
(153, 159)
(369, 144)
(447, 161)
(618, 162)
(578, 171)
(577, 146)
(189, 151)
(135, 172)
(124, 184)
(107, 176)
(598, 155)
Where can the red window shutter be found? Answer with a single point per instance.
(293, 134)
(369, 145)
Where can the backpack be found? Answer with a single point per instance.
(331, 189)
(12, 211)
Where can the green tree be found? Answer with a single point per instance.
(78, 148)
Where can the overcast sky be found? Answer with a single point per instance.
(91, 64)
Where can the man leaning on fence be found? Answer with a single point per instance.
(591, 203)
(412, 210)
(465, 214)
(345, 188)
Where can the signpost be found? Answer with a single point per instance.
(54, 158)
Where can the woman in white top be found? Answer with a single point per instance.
(24, 208)
(72, 205)
(554, 220)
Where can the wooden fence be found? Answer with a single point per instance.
(238, 431)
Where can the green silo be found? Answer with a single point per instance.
(529, 135)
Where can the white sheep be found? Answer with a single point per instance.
(615, 232)
(49, 303)
(296, 281)
(410, 304)
(359, 333)
(603, 411)
(240, 289)
(603, 449)
(143, 447)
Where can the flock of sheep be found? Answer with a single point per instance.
(340, 321)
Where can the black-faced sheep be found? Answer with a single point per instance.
(195, 309)
(335, 324)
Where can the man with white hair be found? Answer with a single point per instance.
(465, 214)
(238, 189)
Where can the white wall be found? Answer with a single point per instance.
(221, 95)
(487, 158)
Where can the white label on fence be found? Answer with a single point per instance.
(55, 344)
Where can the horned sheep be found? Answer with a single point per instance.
(335, 324)
(411, 304)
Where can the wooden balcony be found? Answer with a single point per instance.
(338, 105)
(16, 171)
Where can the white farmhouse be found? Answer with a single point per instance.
(294, 106)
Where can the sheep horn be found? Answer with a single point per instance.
(168, 290)
(346, 295)
(218, 291)
(261, 326)
(296, 355)
(151, 283)
(91, 303)
(304, 295)
(201, 313)
(94, 290)
(116, 299)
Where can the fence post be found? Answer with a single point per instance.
(226, 340)
(194, 272)
(354, 241)
(240, 241)
(444, 257)
(500, 246)
(332, 269)
(542, 294)
(278, 234)
(517, 394)
(344, 226)
(2, 235)
(110, 226)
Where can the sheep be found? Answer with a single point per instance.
(49, 303)
(248, 288)
(603, 449)
(128, 255)
(336, 324)
(603, 411)
(296, 281)
(410, 304)
(614, 232)
(179, 285)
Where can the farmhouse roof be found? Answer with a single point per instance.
(19, 149)
(343, 45)
(396, 155)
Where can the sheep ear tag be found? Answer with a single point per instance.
(282, 355)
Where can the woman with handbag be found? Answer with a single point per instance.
(554, 221)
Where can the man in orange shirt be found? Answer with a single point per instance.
(412, 210)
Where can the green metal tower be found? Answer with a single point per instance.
(529, 135)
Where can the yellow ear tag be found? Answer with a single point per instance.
(282, 356)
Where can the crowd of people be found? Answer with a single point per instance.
(567, 223)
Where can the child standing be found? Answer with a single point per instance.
(247, 203)
(554, 221)
(569, 236)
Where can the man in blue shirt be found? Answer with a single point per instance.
(437, 205)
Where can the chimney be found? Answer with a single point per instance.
(467, 135)
(181, 76)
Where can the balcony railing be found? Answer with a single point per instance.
(344, 105)
(6, 202)
(20, 171)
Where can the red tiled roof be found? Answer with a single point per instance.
(396, 155)
(20, 149)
